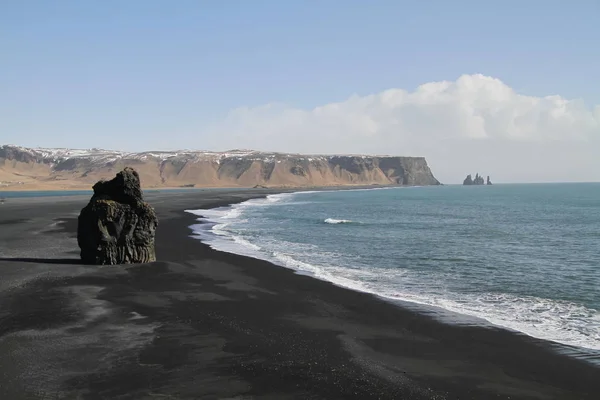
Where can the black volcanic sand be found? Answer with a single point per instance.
(202, 324)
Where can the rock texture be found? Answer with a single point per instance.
(67, 168)
(477, 181)
(117, 226)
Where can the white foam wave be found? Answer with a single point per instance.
(337, 221)
(555, 320)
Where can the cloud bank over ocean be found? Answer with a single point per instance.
(474, 123)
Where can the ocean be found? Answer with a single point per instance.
(523, 257)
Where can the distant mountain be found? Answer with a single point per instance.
(38, 168)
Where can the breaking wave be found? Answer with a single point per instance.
(337, 221)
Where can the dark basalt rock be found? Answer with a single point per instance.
(117, 226)
(298, 170)
(477, 181)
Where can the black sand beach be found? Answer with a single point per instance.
(202, 324)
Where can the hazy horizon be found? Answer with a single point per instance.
(471, 87)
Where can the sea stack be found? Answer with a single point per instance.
(477, 181)
(117, 226)
(488, 180)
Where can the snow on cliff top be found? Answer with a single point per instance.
(61, 154)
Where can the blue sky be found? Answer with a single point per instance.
(139, 75)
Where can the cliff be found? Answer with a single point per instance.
(26, 168)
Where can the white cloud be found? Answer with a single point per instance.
(474, 123)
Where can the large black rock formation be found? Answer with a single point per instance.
(117, 226)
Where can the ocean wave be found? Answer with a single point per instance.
(555, 320)
(559, 321)
(337, 221)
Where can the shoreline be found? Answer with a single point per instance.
(417, 310)
(200, 323)
(441, 314)
(88, 188)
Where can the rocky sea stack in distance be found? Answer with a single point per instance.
(117, 226)
(477, 181)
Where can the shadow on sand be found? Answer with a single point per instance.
(70, 261)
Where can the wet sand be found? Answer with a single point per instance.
(202, 324)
